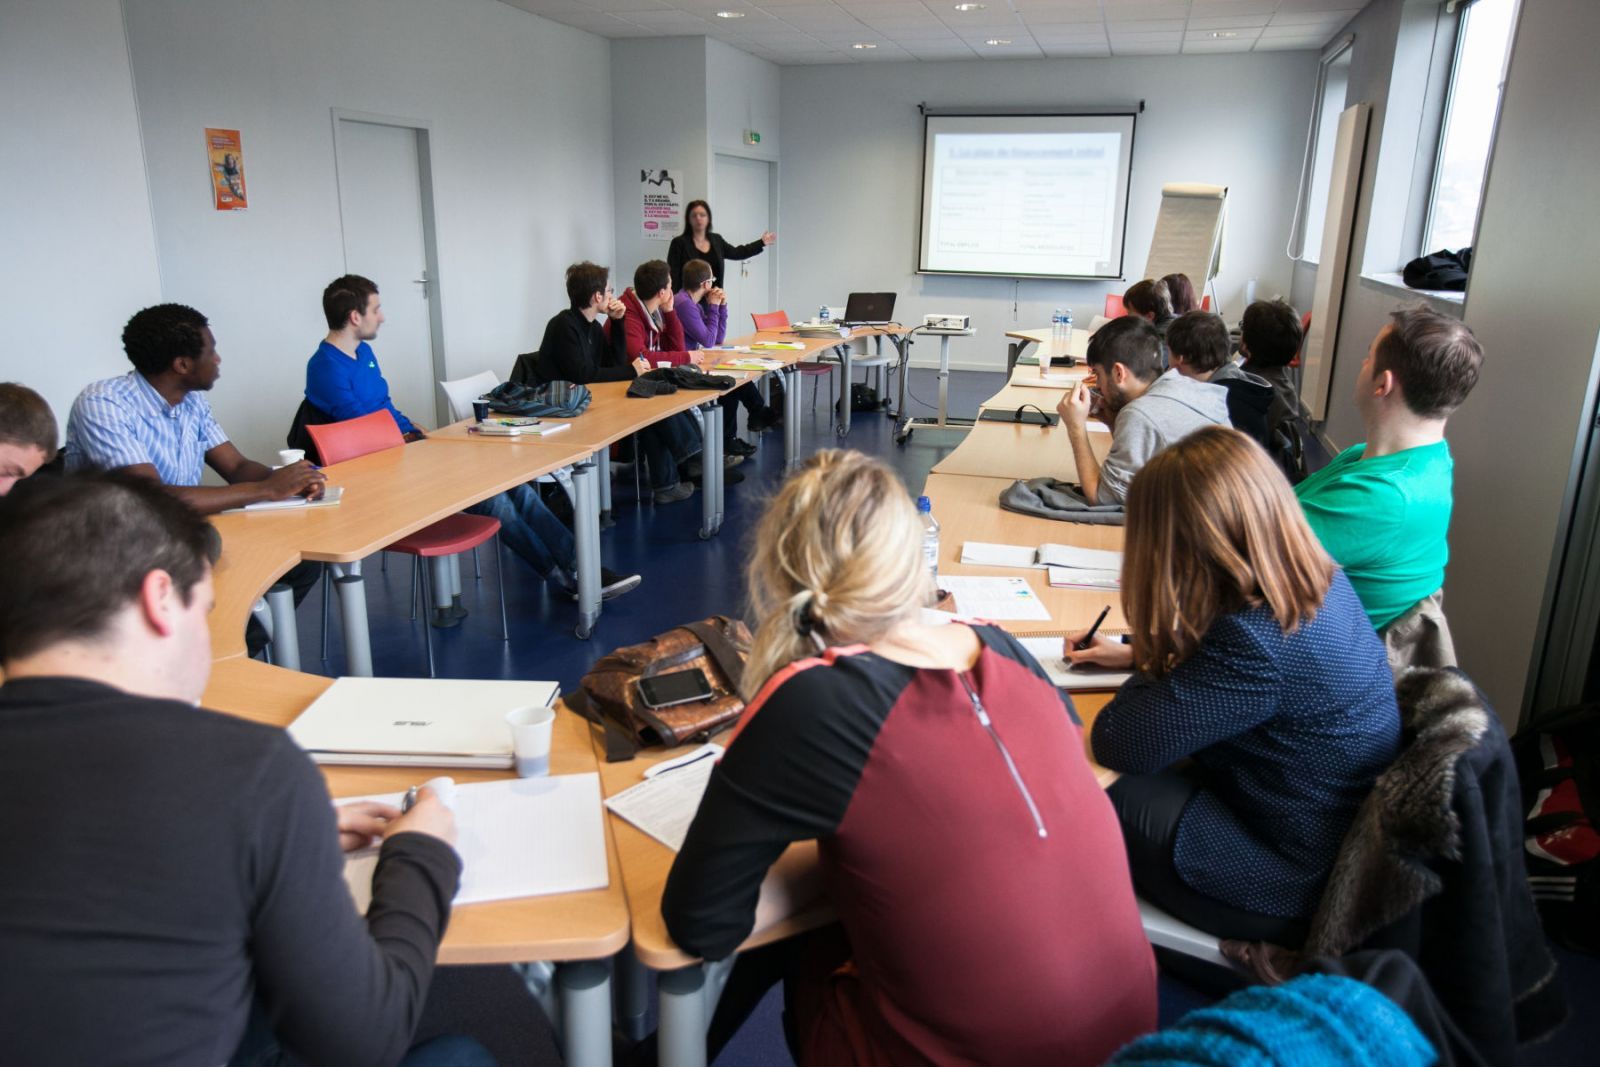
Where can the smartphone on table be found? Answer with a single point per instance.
(677, 687)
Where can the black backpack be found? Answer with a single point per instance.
(1559, 767)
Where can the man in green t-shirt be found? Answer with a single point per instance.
(1382, 508)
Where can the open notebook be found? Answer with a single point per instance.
(518, 837)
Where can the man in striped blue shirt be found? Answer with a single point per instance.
(155, 420)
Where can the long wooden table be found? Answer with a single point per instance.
(577, 930)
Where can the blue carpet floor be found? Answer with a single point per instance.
(685, 579)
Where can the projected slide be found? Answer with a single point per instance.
(1041, 195)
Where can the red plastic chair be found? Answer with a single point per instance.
(353, 438)
(777, 320)
(1114, 308)
(1305, 330)
(1205, 302)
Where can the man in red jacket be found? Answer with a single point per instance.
(656, 336)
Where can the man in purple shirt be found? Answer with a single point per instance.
(702, 309)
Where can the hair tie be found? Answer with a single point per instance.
(806, 623)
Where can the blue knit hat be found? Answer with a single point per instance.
(1316, 1020)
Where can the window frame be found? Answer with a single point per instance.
(1331, 54)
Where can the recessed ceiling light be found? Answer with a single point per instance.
(972, 7)
(1223, 35)
(863, 44)
(998, 40)
(730, 14)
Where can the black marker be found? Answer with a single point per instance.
(1088, 638)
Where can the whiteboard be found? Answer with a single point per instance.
(1188, 237)
(1025, 196)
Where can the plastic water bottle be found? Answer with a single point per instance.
(1066, 326)
(823, 316)
(1055, 327)
(930, 537)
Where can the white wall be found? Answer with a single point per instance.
(852, 193)
(520, 116)
(658, 86)
(79, 251)
(742, 93)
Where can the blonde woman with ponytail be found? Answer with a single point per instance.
(943, 777)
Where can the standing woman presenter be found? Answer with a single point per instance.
(697, 241)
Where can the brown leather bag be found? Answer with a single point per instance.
(610, 691)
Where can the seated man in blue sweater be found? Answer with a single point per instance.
(343, 381)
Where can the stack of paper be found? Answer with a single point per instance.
(664, 804)
(518, 837)
(509, 428)
(752, 363)
(995, 598)
(331, 495)
(987, 554)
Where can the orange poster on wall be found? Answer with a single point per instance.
(226, 159)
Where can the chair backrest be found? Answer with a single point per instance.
(339, 441)
(461, 392)
(1114, 308)
(1205, 302)
(1305, 331)
(771, 320)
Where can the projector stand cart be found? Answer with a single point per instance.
(943, 421)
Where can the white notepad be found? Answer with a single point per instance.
(519, 837)
(434, 722)
(995, 598)
(664, 804)
(1083, 578)
(1047, 650)
(986, 554)
(331, 495)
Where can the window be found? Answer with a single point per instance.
(1483, 39)
(1333, 80)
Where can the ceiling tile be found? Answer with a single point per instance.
(1205, 8)
(1075, 52)
(1228, 22)
(1301, 30)
(629, 5)
(1117, 10)
(1150, 49)
(1204, 36)
(938, 32)
(1145, 26)
(1191, 48)
(1119, 39)
(1287, 18)
(1288, 44)
(1069, 35)
(673, 20)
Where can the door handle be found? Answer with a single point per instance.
(422, 281)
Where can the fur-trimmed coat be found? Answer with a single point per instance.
(1433, 866)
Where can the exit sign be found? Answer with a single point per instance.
(752, 137)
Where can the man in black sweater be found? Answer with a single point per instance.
(172, 873)
(576, 345)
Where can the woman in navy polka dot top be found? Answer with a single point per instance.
(1259, 669)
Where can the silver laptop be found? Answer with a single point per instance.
(431, 722)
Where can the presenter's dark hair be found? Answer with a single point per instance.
(115, 529)
(1434, 356)
(344, 295)
(1149, 298)
(1130, 341)
(696, 273)
(25, 418)
(157, 336)
(583, 281)
(1180, 290)
(689, 210)
(652, 276)
(1201, 338)
(1271, 333)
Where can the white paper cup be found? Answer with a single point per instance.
(530, 739)
(287, 456)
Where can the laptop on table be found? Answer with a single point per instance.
(869, 309)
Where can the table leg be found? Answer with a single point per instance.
(586, 538)
(631, 991)
(791, 418)
(285, 630)
(711, 470)
(843, 428)
(584, 988)
(440, 578)
(944, 378)
(603, 473)
(681, 1035)
(353, 613)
